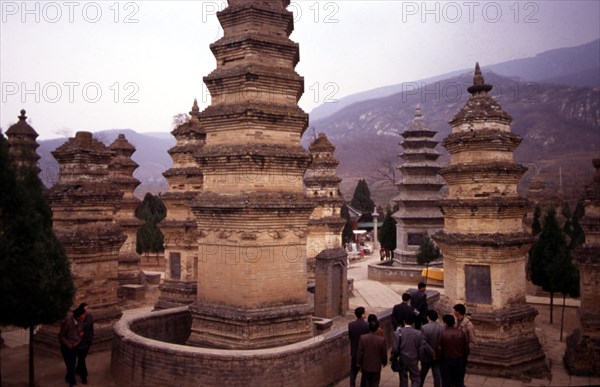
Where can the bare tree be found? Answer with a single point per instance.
(179, 119)
(64, 132)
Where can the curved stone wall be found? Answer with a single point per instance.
(148, 351)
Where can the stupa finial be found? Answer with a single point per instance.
(195, 109)
(479, 85)
(22, 117)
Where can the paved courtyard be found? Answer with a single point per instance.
(375, 296)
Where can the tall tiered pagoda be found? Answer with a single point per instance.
(322, 187)
(484, 242)
(121, 168)
(419, 194)
(22, 143)
(185, 177)
(583, 346)
(252, 215)
(83, 203)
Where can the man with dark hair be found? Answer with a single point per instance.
(69, 337)
(452, 349)
(371, 356)
(430, 332)
(86, 341)
(464, 324)
(418, 301)
(356, 329)
(407, 342)
(401, 311)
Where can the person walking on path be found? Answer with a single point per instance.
(373, 317)
(464, 324)
(356, 329)
(371, 356)
(401, 311)
(430, 332)
(86, 342)
(418, 301)
(409, 343)
(69, 336)
(452, 349)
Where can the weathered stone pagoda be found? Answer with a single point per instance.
(583, 346)
(121, 168)
(83, 204)
(419, 195)
(252, 215)
(185, 177)
(484, 243)
(22, 143)
(322, 187)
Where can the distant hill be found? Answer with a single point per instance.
(572, 66)
(151, 154)
(560, 127)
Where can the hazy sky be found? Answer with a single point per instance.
(134, 64)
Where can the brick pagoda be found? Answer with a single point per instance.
(22, 143)
(185, 177)
(419, 195)
(252, 215)
(121, 168)
(583, 346)
(484, 242)
(83, 204)
(322, 187)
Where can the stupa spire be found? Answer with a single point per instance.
(479, 85)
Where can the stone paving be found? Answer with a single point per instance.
(375, 296)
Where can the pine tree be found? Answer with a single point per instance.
(149, 238)
(36, 286)
(387, 233)
(549, 263)
(428, 252)
(361, 200)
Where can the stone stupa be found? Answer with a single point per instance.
(252, 213)
(419, 195)
(484, 242)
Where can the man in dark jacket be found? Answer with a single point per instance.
(418, 301)
(371, 356)
(356, 329)
(86, 342)
(401, 311)
(452, 349)
(430, 332)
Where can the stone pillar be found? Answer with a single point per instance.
(331, 283)
(419, 188)
(322, 187)
(484, 242)
(252, 215)
(583, 346)
(179, 285)
(375, 225)
(83, 203)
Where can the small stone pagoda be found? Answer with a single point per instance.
(121, 169)
(419, 195)
(185, 177)
(484, 242)
(83, 203)
(322, 187)
(22, 143)
(252, 215)
(583, 346)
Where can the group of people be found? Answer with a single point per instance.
(418, 337)
(76, 335)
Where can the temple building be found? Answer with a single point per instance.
(484, 241)
(185, 178)
(121, 168)
(83, 203)
(252, 213)
(322, 187)
(419, 195)
(583, 346)
(22, 143)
